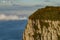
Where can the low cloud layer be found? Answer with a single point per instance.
(11, 17)
(23, 18)
(8, 17)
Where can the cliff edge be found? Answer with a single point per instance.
(44, 24)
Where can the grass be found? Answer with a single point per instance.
(47, 13)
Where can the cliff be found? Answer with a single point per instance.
(44, 24)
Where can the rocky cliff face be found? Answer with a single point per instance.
(43, 25)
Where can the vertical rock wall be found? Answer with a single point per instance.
(42, 30)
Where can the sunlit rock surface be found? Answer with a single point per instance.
(46, 28)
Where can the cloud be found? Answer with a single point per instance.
(12, 17)
(22, 10)
(18, 10)
(49, 3)
(9, 17)
(28, 2)
(24, 7)
(23, 18)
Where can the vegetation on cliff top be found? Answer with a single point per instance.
(49, 12)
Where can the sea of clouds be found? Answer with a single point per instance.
(11, 17)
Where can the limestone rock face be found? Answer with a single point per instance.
(42, 29)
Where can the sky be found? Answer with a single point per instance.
(23, 8)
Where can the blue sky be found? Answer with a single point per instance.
(24, 7)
